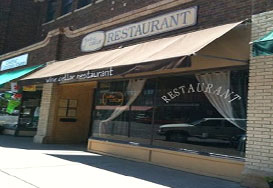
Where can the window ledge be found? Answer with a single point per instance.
(98, 1)
(67, 14)
(197, 153)
(46, 23)
(86, 6)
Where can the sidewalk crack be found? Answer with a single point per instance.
(18, 178)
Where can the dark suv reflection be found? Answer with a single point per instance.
(207, 130)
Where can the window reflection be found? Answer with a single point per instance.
(124, 111)
(109, 96)
(204, 119)
(9, 109)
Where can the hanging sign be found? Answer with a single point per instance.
(14, 87)
(153, 26)
(112, 98)
(29, 88)
(14, 62)
(93, 41)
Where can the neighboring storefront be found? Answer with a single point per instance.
(13, 98)
(9, 108)
(29, 111)
(19, 111)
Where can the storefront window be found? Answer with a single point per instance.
(51, 10)
(30, 109)
(141, 114)
(9, 109)
(124, 110)
(202, 113)
(197, 113)
(106, 124)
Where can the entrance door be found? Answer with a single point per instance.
(73, 112)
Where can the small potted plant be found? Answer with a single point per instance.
(269, 180)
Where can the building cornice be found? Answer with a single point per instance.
(159, 6)
(32, 47)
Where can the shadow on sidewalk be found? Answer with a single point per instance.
(152, 173)
(148, 172)
(27, 143)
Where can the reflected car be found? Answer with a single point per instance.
(211, 130)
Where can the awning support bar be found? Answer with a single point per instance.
(225, 58)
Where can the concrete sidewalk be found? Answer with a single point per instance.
(24, 164)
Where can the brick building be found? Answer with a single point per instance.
(168, 82)
(20, 24)
(19, 28)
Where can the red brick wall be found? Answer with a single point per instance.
(210, 14)
(93, 14)
(21, 24)
(215, 10)
(41, 55)
(24, 24)
(4, 17)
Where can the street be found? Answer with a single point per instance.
(24, 164)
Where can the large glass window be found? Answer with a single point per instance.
(141, 114)
(109, 96)
(82, 3)
(9, 109)
(123, 110)
(202, 113)
(51, 10)
(19, 110)
(66, 6)
(30, 109)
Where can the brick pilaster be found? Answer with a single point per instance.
(47, 114)
(259, 150)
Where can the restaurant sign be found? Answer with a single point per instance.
(80, 76)
(153, 26)
(14, 62)
(111, 71)
(208, 88)
(112, 98)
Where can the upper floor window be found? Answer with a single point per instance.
(66, 6)
(82, 3)
(51, 10)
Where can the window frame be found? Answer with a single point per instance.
(156, 105)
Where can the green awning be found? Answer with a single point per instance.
(263, 46)
(9, 76)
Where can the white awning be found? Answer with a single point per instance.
(140, 54)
